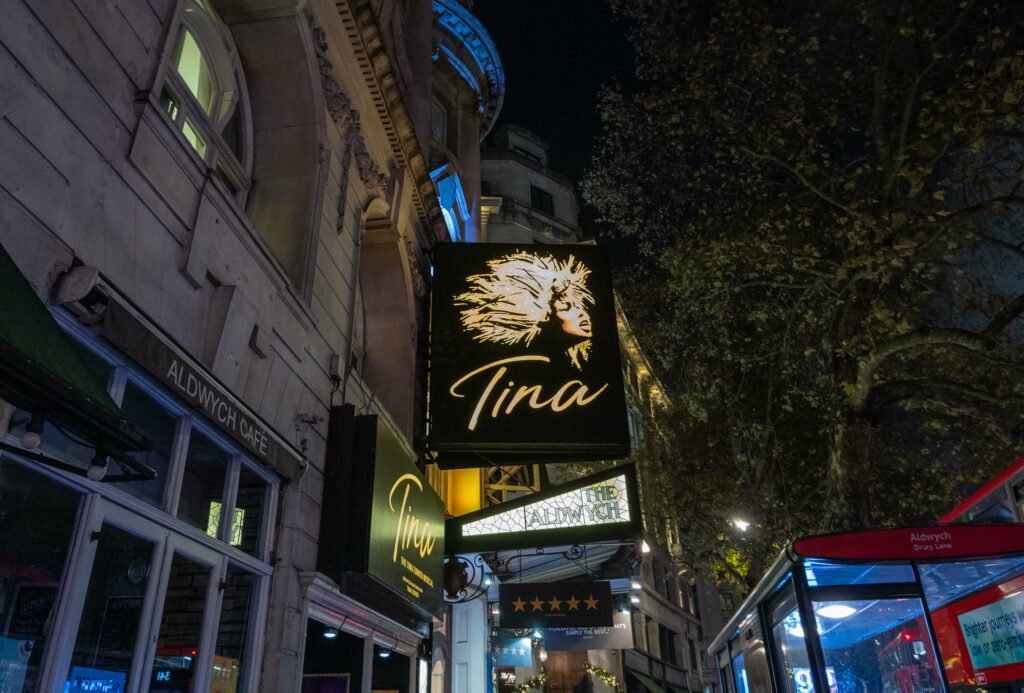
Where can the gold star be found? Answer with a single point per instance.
(555, 604)
(521, 652)
(591, 603)
(519, 604)
(538, 604)
(573, 602)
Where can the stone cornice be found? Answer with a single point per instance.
(465, 29)
(378, 72)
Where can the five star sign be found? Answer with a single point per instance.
(555, 605)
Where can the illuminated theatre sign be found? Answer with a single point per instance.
(600, 507)
(380, 516)
(524, 355)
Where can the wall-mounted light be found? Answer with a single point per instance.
(330, 633)
(384, 653)
(537, 634)
(645, 547)
(495, 609)
(33, 434)
(487, 580)
(543, 655)
(740, 524)
(98, 467)
(635, 599)
(635, 585)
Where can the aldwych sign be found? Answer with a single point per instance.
(198, 389)
(524, 355)
(599, 507)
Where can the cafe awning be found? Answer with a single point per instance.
(42, 371)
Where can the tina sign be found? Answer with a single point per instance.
(380, 517)
(524, 355)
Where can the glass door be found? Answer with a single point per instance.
(141, 610)
(181, 655)
(104, 622)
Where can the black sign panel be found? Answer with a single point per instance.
(524, 355)
(555, 604)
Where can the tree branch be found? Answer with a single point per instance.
(804, 181)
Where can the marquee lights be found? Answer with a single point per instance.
(602, 503)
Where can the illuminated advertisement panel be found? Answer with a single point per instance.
(524, 355)
(599, 507)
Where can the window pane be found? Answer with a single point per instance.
(159, 426)
(821, 572)
(181, 624)
(194, 138)
(391, 670)
(236, 613)
(191, 65)
(877, 645)
(247, 531)
(33, 549)
(791, 651)
(333, 660)
(110, 616)
(202, 486)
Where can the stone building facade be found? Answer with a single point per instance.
(227, 208)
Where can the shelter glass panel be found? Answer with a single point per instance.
(877, 645)
(789, 646)
(821, 572)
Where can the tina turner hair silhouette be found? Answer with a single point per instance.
(527, 297)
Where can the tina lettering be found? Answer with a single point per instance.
(571, 393)
(410, 530)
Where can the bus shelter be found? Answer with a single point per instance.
(911, 610)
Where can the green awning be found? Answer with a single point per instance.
(41, 370)
(648, 683)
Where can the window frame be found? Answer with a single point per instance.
(217, 47)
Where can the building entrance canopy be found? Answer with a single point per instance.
(932, 608)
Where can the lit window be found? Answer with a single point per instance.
(203, 94)
(237, 522)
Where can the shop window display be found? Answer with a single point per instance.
(333, 661)
(159, 426)
(202, 486)
(33, 550)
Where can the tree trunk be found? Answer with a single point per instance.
(849, 467)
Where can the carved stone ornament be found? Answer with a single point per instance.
(346, 117)
(419, 287)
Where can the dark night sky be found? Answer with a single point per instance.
(557, 54)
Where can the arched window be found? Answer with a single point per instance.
(204, 94)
